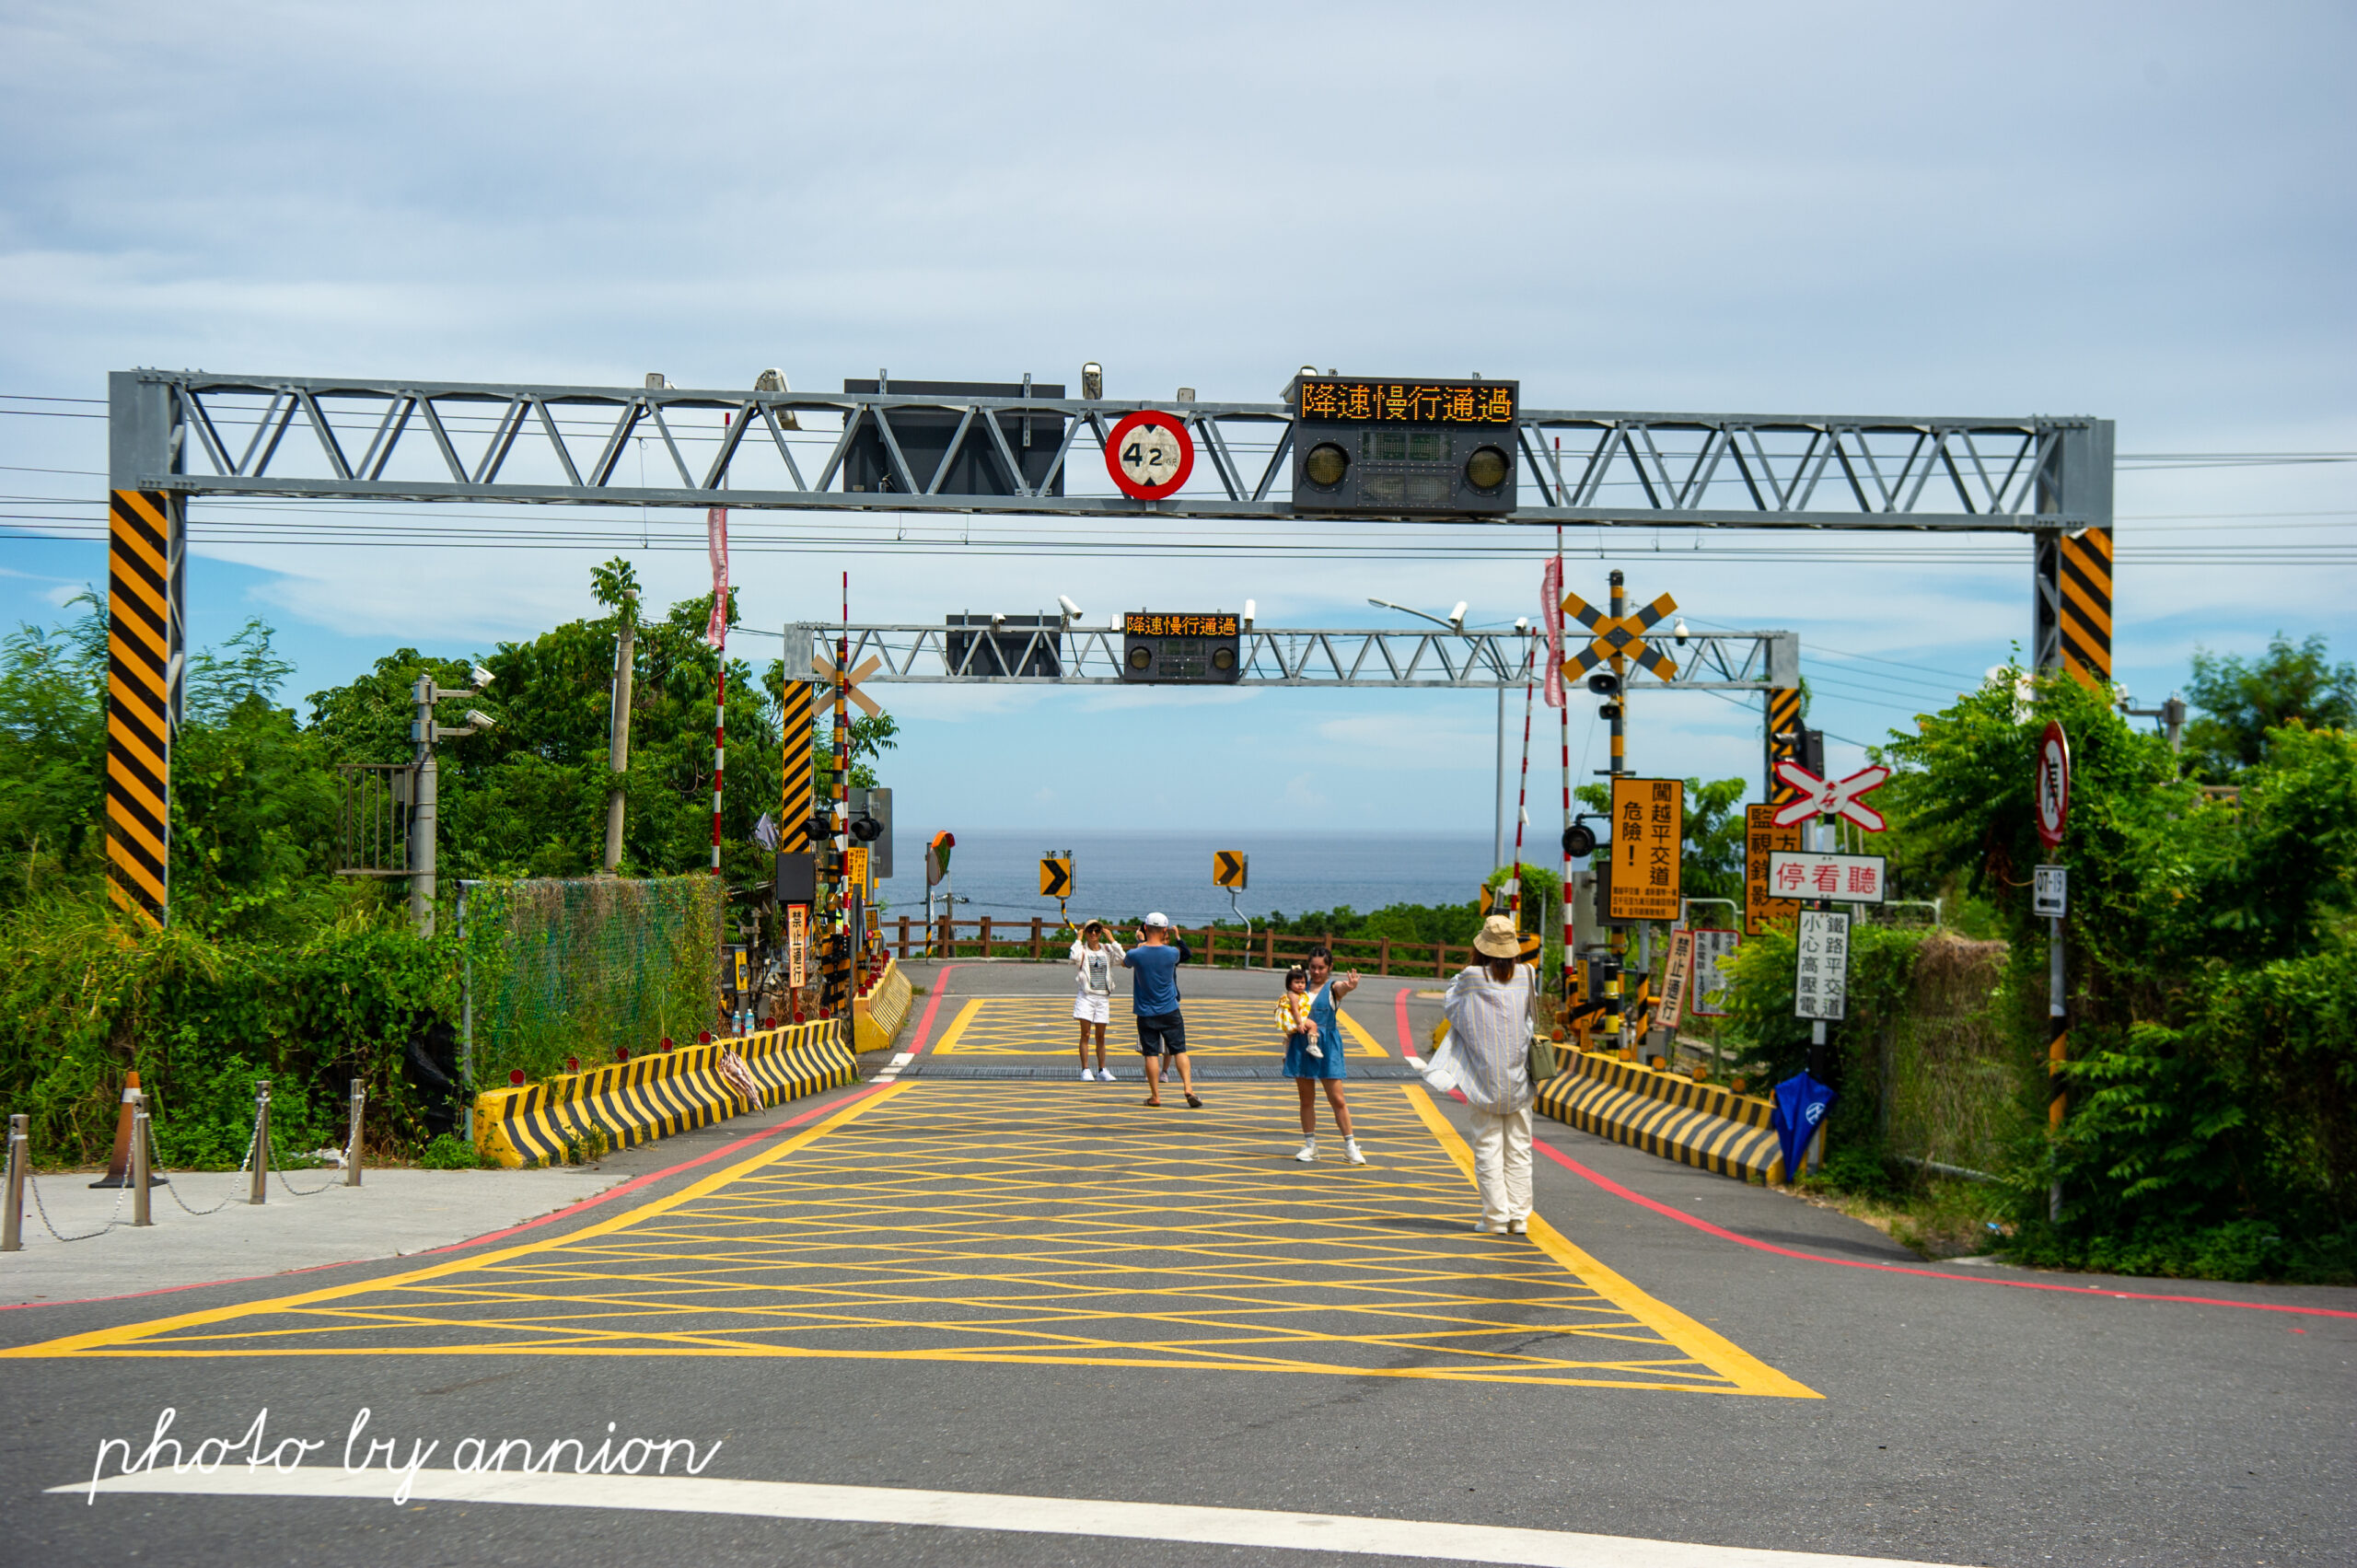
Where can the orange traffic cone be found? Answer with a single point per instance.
(119, 1164)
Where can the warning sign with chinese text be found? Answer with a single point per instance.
(1648, 828)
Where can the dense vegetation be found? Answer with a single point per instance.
(273, 966)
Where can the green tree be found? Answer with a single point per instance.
(2241, 700)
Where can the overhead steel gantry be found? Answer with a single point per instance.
(178, 436)
(1396, 660)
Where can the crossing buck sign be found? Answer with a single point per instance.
(1230, 868)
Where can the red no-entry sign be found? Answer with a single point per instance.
(2053, 783)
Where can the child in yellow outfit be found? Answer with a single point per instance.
(1292, 1012)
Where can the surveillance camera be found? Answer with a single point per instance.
(481, 676)
(1250, 610)
(478, 719)
(1072, 611)
(1457, 616)
(1679, 631)
(1521, 623)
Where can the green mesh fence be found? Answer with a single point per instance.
(579, 967)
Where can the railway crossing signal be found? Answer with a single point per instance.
(1619, 635)
(1831, 797)
(1055, 874)
(824, 668)
(1230, 868)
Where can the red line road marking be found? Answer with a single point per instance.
(924, 1025)
(1725, 1235)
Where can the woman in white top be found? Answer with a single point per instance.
(1095, 957)
(1489, 1010)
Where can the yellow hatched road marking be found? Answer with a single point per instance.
(1042, 1025)
(1033, 1224)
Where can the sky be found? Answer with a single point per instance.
(2140, 212)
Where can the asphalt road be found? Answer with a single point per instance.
(1031, 1288)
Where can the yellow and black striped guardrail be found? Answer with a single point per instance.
(1667, 1114)
(878, 1014)
(627, 1103)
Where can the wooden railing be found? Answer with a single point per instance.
(1044, 940)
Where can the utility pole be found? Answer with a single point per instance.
(424, 729)
(618, 741)
(2172, 716)
(1616, 715)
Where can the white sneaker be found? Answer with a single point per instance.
(1519, 1227)
(1351, 1151)
(1104, 1074)
(1087, 1076)
(1483, 1227)
(1308, 1154)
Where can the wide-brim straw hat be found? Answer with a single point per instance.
(1498, 939)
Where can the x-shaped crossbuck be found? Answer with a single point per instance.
(824, 668)
(1831, 797)
(1620, 634)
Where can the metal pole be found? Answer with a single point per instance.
(1618, 1018)
(141, 1214)
(422, 810)
(618, 743)
(12, 1224)
(352, 1142)
(1498, 792)
(465, 1014)
(260, 1192)
(2057, 1052)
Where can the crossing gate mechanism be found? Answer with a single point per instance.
(942, 448)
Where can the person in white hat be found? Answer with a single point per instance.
(1489, 1011)
(1153, 996)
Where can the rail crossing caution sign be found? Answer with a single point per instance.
(1622, 636)
(1815, 797)
(1677, 981)
(1648, 830)
(2053, 785)
(1712, 950)
(857, 863)
(797, 945)
(1055, 874)
(1763, 838)
(1837, 878)
(1821, 979)
(823, 669)
(1150, 455)
(1230, 868)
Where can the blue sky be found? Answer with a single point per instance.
(2138, 212)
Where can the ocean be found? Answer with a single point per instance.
(1120, 876)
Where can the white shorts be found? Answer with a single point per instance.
(1091, 1009)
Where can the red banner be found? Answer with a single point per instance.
(715, 522)
(1550, 590)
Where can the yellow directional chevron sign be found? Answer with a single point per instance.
(1055, 875)
(1622, 635)
(1230, 868)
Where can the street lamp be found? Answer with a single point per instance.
(1454, 622)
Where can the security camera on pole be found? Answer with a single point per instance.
(423, 731)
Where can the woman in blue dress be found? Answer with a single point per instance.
(1327, 990)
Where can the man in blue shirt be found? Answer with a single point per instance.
(1155, 994)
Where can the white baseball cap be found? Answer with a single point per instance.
(1157, 918)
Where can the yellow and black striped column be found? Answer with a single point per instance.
(145, 531)
(1783, 739)
(796, 781)
(2074, 604)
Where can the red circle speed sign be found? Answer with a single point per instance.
(2053, 785)
(1150, 455)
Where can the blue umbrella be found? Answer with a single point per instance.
(1801, 1103)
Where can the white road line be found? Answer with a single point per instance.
(985, 1511)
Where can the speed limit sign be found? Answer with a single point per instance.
(1150, 455)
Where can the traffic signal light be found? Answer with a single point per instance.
(1161, 649)
(1388, 447)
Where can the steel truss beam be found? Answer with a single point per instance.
(326, 439)
(1718, 661)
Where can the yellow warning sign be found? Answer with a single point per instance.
(1230, 868)
(1055, 876)
(1648, 832)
